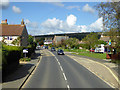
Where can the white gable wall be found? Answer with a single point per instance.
(9, 39)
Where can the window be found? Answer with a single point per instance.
(9, 38)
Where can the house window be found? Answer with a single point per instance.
(9, 38)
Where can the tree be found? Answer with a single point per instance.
(101, 42)
(72, 42)
(30, 39)
(91, 39)
(110, 11)
(40, 41)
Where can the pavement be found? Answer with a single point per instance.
(103, 68)
(18, 78)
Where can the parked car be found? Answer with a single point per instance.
(60, 52)
(46, 47)
(53, 49)
(92, 50)
(100, 49)
(38, 47)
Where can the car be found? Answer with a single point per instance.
(60, 52)
(46, 47)
(92, 50)
(53, 49)
(38, 47)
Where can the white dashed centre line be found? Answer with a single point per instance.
(64, 76)
(61, 70)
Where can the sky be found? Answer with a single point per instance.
(43, 18)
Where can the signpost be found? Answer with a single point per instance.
(25, 51)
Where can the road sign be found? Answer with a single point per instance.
(25, 50)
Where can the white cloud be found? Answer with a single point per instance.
(16, 9)
(31, 24)
(97, 25)
(4, 4)
(57, 4)
(73, 7)
(71, 20)
(54, 26)
(87, 8)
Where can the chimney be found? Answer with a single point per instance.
(22, 22)
(4, 21)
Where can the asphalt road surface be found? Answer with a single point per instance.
(60, 71)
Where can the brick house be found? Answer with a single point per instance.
(12, 32)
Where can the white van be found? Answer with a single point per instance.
(100, 49)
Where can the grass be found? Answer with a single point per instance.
(85, 52)
(94, 55)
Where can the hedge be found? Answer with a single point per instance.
(11, 56)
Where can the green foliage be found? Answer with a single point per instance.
(91, 40)
(40, 41)
(10, 54)
(86, 46)
(72, 42)
(30, 39)
(16, 41)
(3, 41)
(10, 48)
(101, 42)
(25, 59)
(110, 12)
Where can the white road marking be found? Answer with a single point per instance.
(61, 68)
(59, 63)
(95, 73)
(68, 86)
(64, 76)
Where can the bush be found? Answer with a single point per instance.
(25, 59)
(86, 46)
(10, 54)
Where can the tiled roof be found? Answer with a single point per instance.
(11, 30)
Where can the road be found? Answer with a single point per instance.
(60, 71)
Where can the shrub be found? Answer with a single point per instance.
(25, 59)
(10, 54)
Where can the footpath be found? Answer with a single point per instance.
(104, 69)
(18, 78)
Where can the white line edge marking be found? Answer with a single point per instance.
(95, 73)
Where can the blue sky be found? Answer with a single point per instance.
(50, 17)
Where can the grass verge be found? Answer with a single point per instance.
(93, 55)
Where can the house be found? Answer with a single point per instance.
(105, 38)
(48, 40)
(14, 33)
(57, 39)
